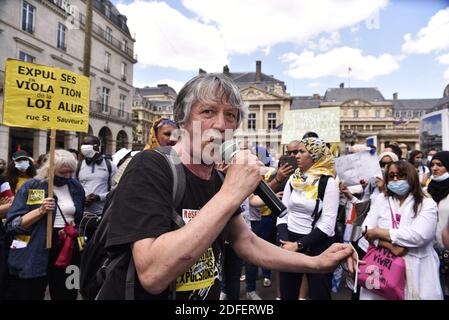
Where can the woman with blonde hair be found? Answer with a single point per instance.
(31, 265)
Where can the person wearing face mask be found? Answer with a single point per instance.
(430, 154)
(439, 190)
(404, 221)
(96, 175)
(416, 159)
(19, 170)
(32, 267)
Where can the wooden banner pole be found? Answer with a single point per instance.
(51, 174)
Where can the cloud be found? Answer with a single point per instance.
(313, 84)
(433, 37)
(166, 38)
(446, 75)
(325, 43)
(251, 25)
(336, 62)
(444, 59)
(355, 29)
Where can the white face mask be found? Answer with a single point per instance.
(443, 177)
(88, 151)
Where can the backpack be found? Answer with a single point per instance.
(340, 222)
(108, 165)
(96, 262)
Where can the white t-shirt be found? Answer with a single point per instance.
(65, 202)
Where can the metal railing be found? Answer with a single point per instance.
(99, 31)
(106, 112)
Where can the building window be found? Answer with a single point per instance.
(271, 120)
(108, 34)
(62, 31)
(26, 57)
(123, 71)
(107, 62)
(122, 106)
(356, 113)
(107, 10)
(105, 100)
(125, 45)
(28, 17)
(377, 113)
(252, 121)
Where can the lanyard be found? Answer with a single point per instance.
(394, 222)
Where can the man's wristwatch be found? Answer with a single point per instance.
(300, 246)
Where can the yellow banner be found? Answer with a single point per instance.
(44, 97)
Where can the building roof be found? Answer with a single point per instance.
(161, 89)
(345, 94)
(414, 104)
(246, 79)
(114, 15)
(305, 102)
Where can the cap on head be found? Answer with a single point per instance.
(21, 154)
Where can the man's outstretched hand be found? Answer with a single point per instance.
(334, 255)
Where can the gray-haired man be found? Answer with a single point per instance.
(193, 254)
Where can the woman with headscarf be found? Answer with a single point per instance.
(439, 190)
(160, 134)
(297, 230)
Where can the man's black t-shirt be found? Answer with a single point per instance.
(142, 209)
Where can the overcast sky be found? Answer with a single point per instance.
(397, 46)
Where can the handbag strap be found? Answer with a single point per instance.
(62, 214)
(393, 220)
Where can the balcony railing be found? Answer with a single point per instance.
(106, 112)
(100, 32)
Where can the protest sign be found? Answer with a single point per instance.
(42, 97)
(324, 121)
(354, 167)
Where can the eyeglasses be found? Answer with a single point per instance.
(400, 176)
(293, 152)
(384, 164)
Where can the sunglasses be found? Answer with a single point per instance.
(293, 152)
(400, 176)
(166, 121)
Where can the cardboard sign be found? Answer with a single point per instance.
(44, 97)
(324, 121)
(354, 167)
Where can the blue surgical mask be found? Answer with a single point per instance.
(61, 181)
(400, 187)
(22, 165)
(443, 177)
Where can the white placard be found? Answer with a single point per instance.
(324, 121)
(354, 167)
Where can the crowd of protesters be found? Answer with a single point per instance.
(405, 210)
